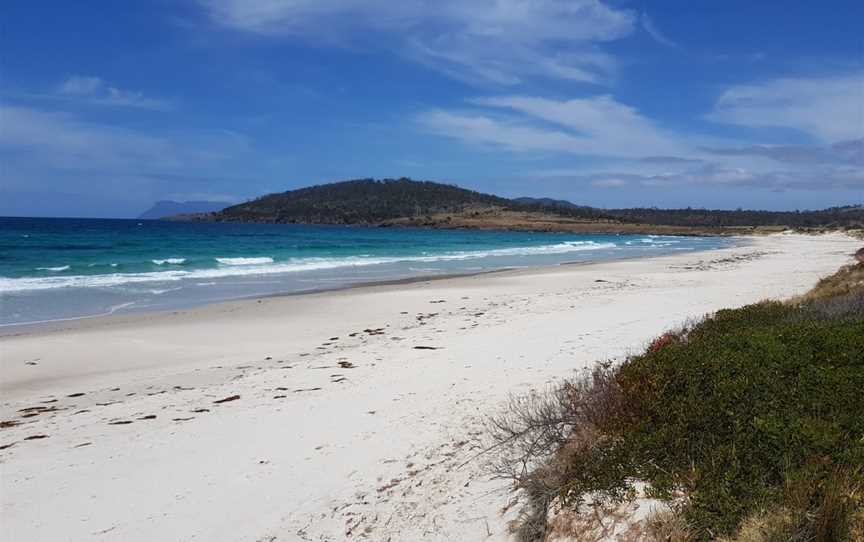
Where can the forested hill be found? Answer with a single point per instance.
(405, 202)
(370, 201)
(851, 216)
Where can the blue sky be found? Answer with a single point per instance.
(106, 107)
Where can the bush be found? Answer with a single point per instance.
(751, 397)
(754, 409)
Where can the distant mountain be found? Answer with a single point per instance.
(166, 208)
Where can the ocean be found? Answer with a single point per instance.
(59, 268)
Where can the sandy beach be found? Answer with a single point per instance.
(353, 414)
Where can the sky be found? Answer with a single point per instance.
(106, 107)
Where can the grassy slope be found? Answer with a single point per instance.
(517, 220)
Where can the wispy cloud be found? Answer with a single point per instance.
(498, 41)
(64, 140)
(79, 85)
(600, 129)
(651, 28)
(844, 152)
(95, 91)
(670, 160)
(610, 182)
(593, 126)
(604, 125)
(715, 175)
(830, 109)
(84, 165)
(479, 129)
(44, 144)
(202, 196)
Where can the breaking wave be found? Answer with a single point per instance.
(266, 265)
(245, 261)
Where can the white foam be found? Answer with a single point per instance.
(169, 261)
(114, 308)
(244, 261)
(60, 268)
(654, 241)
(164, 290)
(266, 266)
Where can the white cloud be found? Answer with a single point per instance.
(654, 31)
(114, 168)
(609, 183)
(484, 130)
(81, 85)
(830, 109)
(822, 178)
(51, 139)
(600, 130)
(202, 196)
(594, 126)
(843, 152)
(63, 140)
(94, 90)
(715, 175)
(576, 20)
(501, 41)
(605, 126)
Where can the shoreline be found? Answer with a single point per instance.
(335, 414)
(27, 328)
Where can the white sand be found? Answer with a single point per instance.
(376, 455)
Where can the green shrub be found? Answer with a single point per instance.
(750, 398)
(750, 419)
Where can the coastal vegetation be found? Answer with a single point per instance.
(406, 202)
(850, 216)
(747, 425)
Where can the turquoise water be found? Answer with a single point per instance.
(67, 268)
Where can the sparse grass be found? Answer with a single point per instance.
(668, 526)
(750, 421)
(850, 279)
(813, 509)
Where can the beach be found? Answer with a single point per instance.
(349, 414)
